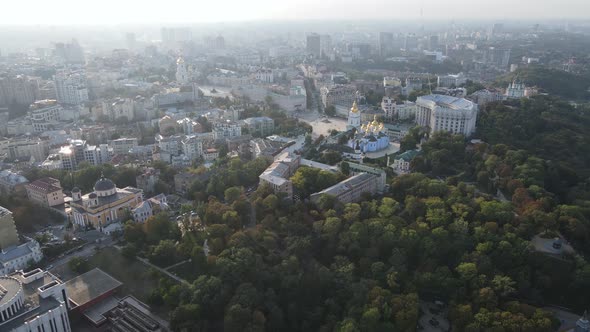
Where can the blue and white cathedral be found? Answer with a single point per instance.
(368, 137)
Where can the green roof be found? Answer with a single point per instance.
(409, 155)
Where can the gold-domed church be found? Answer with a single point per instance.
(368, 137)
(105, 205)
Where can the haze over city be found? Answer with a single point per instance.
(66, 12)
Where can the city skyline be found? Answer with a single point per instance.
(61, 12)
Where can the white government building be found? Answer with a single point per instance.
(446, 113)
(33, 301)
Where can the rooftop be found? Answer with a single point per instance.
(447, 101)
(12, 253)
(46, 185)
(347, 184)
(34, 303)
(89, 286)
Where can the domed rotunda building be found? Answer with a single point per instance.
(105, 205)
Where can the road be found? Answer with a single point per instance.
(87, 250)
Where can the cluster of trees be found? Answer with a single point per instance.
(459, 231)
(363, 267)
(29, 217)
(309, 180)
(553, 81)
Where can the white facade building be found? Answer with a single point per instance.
(34, 301)
(70, 88)
(394, 111)
(226, 129)
(192, 147)
(446, 81)
(446, 113)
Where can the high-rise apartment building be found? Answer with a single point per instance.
(71, 88)
(314, 45)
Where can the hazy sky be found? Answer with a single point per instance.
(186, 11)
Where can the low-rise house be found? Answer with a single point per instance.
(401, 163)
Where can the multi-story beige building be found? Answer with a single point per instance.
(105, 205)
(45, 192)
(278, 173)
(340, 94)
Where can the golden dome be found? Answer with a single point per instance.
(354, 108)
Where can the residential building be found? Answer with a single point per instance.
(45, 115)
(21, 90)
(8, 233)
(34, 301)
(401, 163)
(26, 148)
(142, 212)
(45, 192)
(260, 147)
(71, 88)
(446, 113)
(278, 173)
(189, 126)
(485, 96)
(397, 111)
(192, 147)
(119, 109)
(260, 126)
(385, 44)
(105, 205)
(12, 183)
(123, 145)
(412, 84)
(313, 45)
(70, 53)
(147, 180)
(497, 57)
(339, 94)
(20, 256)
(226, 129)
(210, 154)
(451, 80)
(351, 189)
(175, 96)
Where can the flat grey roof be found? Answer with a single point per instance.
(90, 285)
